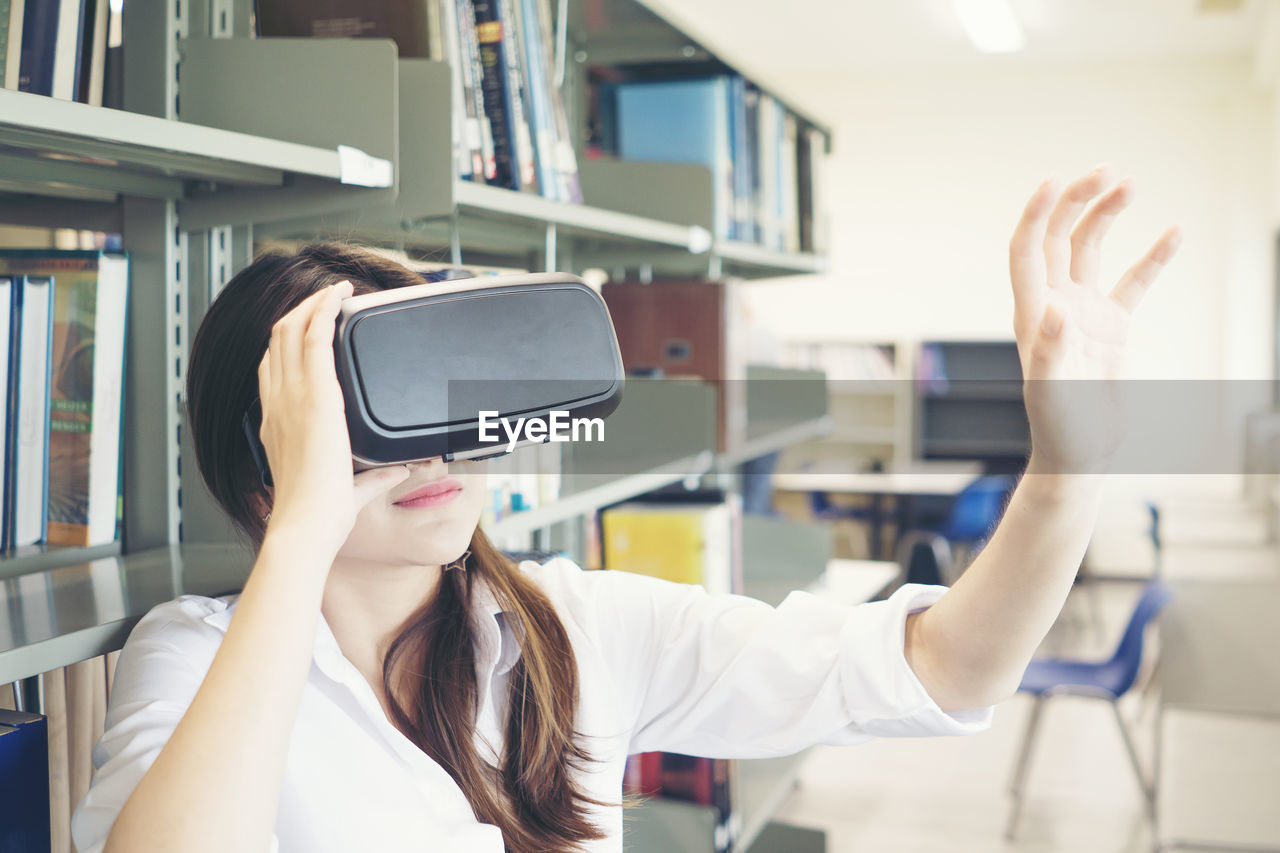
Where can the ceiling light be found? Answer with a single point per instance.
(990, 24)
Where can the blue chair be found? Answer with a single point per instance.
(1109, 680)
(973, 516)
(1154, 532)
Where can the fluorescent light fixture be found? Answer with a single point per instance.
(990, 24)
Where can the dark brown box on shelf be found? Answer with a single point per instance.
(686, 328)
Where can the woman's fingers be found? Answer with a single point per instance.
(369, 484)
(319, 335)
(287, 335)
(1086, 239)
(1057, 238)
(1134, 284)
(1026, 249)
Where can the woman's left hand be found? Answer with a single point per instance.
(1067, 327)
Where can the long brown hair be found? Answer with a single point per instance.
(532, 796)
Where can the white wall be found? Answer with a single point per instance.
(931, 170)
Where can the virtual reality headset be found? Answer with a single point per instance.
(443, 369)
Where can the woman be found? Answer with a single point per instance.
(387, 681)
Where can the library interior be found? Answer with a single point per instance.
(816, 427)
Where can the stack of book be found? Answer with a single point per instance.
(67, 49)
(63, 314)
(509, 124)
(766, 162)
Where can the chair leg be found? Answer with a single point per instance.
(1148, 794)
(1024, 760)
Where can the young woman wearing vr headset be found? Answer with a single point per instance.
(387, 680)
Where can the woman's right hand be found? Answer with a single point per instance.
(304, 428)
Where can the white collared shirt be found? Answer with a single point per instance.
(662, 666)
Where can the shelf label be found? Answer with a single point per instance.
(358, 168)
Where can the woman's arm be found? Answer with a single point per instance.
(225, 759)
(971, 648)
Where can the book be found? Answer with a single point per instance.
(8, 284)
(405, 23)
(85, 504)
(518, 103)
(565, 158)
(541, 121)
(682, 543)
(28, 406)
(499, 97)
(790, 185)
(39, 39)
(94, 53)
(13, 22)
(479, 133)
(465, 150)
(24, 792)
(682, 121)
(67, 53)
(4, 40)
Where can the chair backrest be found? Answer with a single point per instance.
(1128, 654)
(924, 557)
(977, 509)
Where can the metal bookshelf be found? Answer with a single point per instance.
(202, 160)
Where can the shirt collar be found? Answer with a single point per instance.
(485, 609)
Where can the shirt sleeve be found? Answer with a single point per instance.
(157, 675)
(727, 676)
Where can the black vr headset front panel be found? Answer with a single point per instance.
(417, 372)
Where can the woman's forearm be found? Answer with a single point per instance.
(970, 649)
(226, 757)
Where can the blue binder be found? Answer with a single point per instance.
(24, 782)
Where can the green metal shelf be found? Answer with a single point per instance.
(56, 145)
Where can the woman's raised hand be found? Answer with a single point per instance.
(304, 428)
(1067, 326)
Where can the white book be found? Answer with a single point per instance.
(108, 382)
(33, 302)
(7, 286)
(13, 48)
(66, 54)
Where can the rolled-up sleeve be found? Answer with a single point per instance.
(157, 675)
(727, 676)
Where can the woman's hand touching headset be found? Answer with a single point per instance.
(304, 427)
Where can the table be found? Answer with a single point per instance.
(914, 479)
(1218, 642)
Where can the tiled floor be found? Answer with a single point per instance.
(951, 794)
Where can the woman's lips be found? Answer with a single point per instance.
(433, 494)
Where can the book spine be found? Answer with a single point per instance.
(452, 38)
(9, 289)
(518, 101)
(4, 40)
(94, 76)
(496, 95)
(30, 388)
(39, 39)
(479, 132)
(544, 151)
(66, 55)
(13, 50)
(566, 158)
